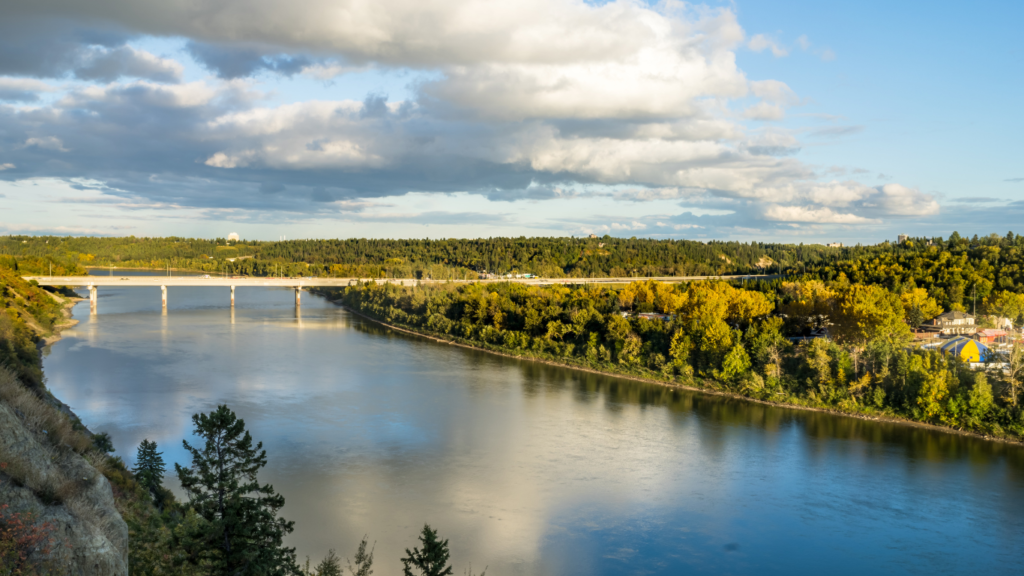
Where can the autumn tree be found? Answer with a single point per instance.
(1014, 371)
(1007, 305)
(918, 306)
(810, 300)
(871, 314)
(979, 401)
(935, 389)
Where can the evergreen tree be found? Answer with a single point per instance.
(103, 443)
(432, 560)
(149, 467)
(329, 566)
(242, 535)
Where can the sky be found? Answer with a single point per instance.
(791, 121)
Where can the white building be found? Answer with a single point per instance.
(233, 237)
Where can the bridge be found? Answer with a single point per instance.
(93, 283)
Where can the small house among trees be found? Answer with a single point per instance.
(952, 323)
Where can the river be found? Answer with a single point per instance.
(531, 469)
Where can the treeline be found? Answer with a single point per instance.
(438, 259)
(959, 273)
(723, 337)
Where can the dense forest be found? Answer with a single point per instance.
(438, 259)
(960, 273)
(724, 337)
(957, 271)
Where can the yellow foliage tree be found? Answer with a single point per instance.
(1007, 305)
(918, 299)
(867, 312)
(810, 299)
(667, 299)
(933, 393)
(714, 301)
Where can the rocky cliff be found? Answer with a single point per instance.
(61, 491)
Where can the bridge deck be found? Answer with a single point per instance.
(158, 281)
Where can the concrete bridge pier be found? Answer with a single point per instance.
(92, 299)
(232, 296)
(163, 296)
(298, 297)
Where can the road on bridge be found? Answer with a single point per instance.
(298, 284)
(238, 281)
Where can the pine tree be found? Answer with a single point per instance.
(242, 535)
(432, 560)
(329, 566)
(149, 467)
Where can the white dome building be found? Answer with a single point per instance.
(233, 237)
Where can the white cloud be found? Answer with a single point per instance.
(523, 100)
(7, 166)
(764, 111)
(812, 215)
(330, 70)
(409, 33)
(634, 225)
(761, 42)
(899, 200)
(190, 95)
(109, 64)
(24, 85)
(774, 91)
(678, 62)
(46, 143)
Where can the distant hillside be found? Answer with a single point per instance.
(446, 258)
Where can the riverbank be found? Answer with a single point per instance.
(68, 303)
(55, 479)
(677, 385)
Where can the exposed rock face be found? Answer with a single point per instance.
(91, 537)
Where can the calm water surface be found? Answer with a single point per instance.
(530, 469)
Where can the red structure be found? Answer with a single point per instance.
(990, 335)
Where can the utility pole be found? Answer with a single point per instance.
(974, 295)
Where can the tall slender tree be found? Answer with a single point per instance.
(242, 535)
(149, 467)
